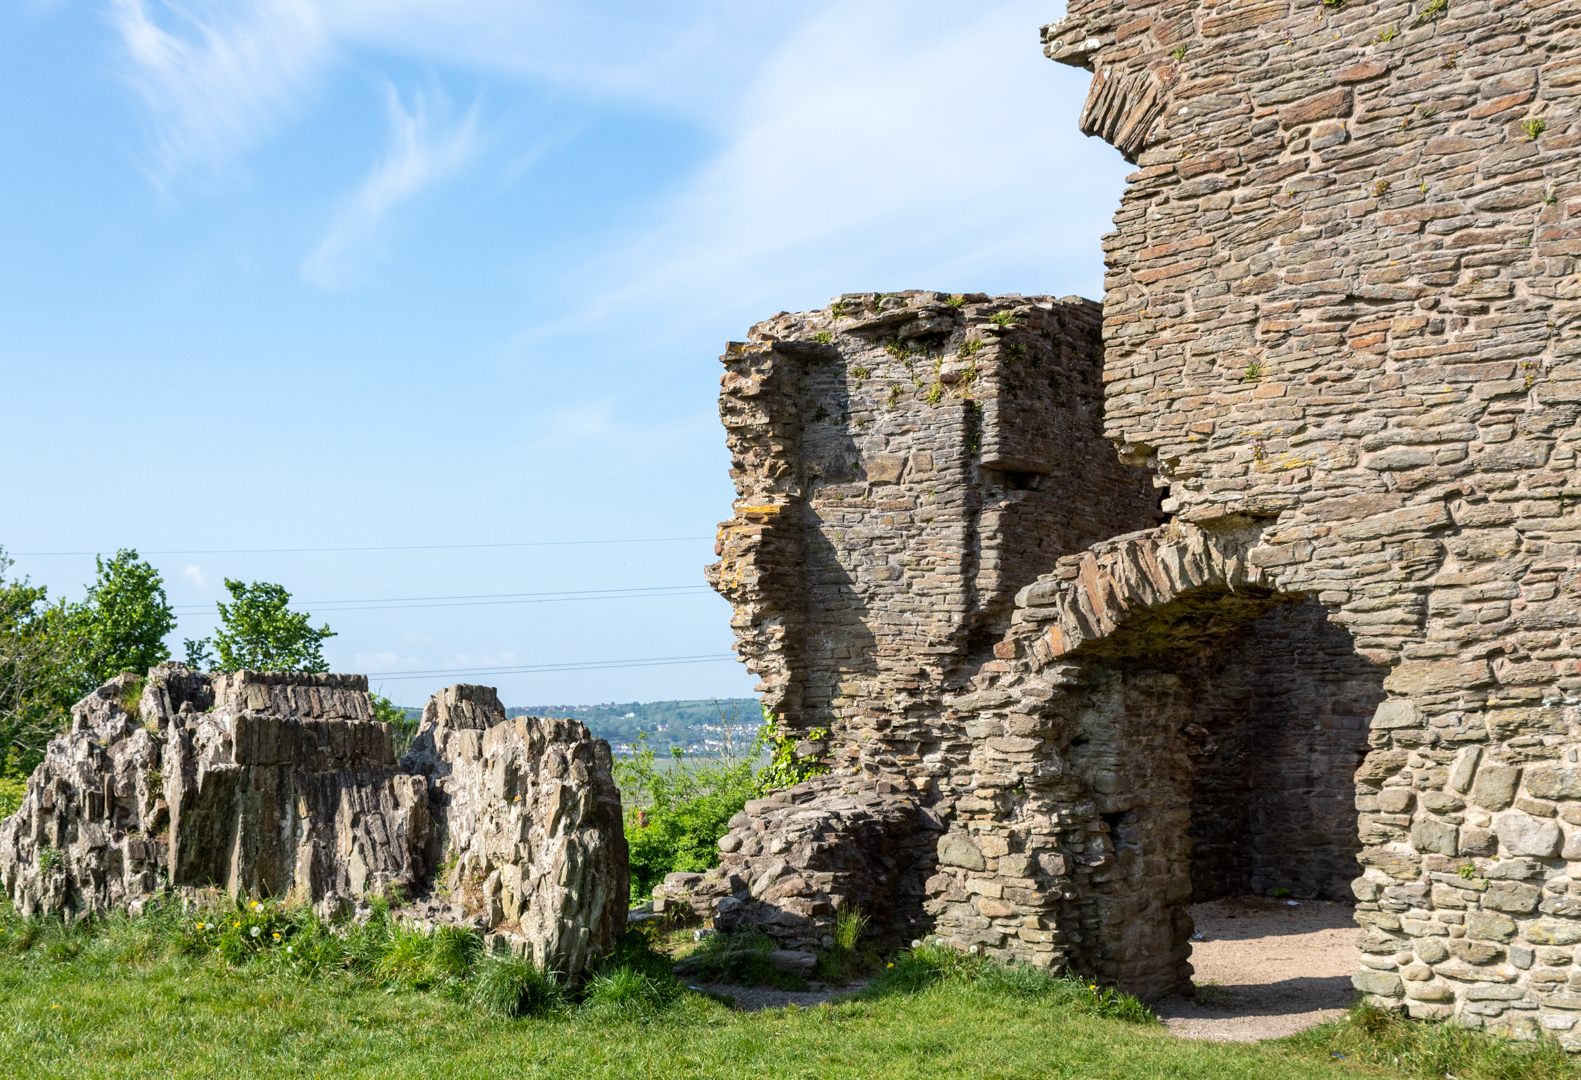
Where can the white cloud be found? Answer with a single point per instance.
(194, 573)
(218, 78)
(423, 150)
(887, 146)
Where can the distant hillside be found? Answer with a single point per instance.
(695, 726)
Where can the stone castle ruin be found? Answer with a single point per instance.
(1315, 626)
(1263, 575)
(282, 785)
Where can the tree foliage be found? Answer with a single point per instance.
(259, 631)
(122, 623)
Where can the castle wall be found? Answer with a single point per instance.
(1341, 325)
(903, 464)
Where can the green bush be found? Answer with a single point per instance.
(675, 815)
(12, 788)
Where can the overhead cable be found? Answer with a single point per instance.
(397, 547)
(526, 669)
(481, 600)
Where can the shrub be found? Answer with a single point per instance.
(676, 815)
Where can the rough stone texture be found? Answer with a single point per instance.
(1340, 328)
(281, 784)
(794, 859)
(91, 831)
(289, 788)
(903, 466)
(528, 807)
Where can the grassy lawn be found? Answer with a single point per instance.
(261, 990)
(192, 1021)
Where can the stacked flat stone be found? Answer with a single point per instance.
(282, 785)
(1341, 328)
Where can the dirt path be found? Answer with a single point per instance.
(1266, 969)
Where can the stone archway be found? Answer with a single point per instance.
(1166, 728)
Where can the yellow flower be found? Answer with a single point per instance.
(891, 965)
(277, 935)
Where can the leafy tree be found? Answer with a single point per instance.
(38, 679)
(258, 630)
(122, 623)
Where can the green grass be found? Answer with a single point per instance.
(159, 997)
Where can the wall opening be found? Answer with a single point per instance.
(1220, 736)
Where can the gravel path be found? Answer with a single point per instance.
(1265, 969)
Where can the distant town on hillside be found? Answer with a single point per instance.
(697, 727)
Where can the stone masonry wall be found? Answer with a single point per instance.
(903, 464)
(1341, 324)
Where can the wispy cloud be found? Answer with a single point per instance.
(906, 144)
(424, 149)
(194, 573)
(218, 78)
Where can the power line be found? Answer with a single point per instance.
(400, 547)
(482, 599)
(587, 665)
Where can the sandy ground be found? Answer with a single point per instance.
(1265, 969)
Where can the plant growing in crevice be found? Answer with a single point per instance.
(1178, 53)
(837, 309)
(1386, 35)
(898, 349)
(1254, 371)
(970, 348)
(1004, 318)
(894, 396)
(935, 394)
(823, 337)
(1433, 9)
(957, 302)
(1534, 127)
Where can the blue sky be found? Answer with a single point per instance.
(413, 273)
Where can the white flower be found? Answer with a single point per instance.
(257, 931)
(915, 944)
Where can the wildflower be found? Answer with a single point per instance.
(54, 1006)
(202, 926)
(277, 935)
(257, 931)
(257, 906)
(891, 965)
(290, 949)
(236, 926)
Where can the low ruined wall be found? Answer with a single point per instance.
(280, 784)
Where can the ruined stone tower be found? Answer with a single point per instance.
(1335, 652)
